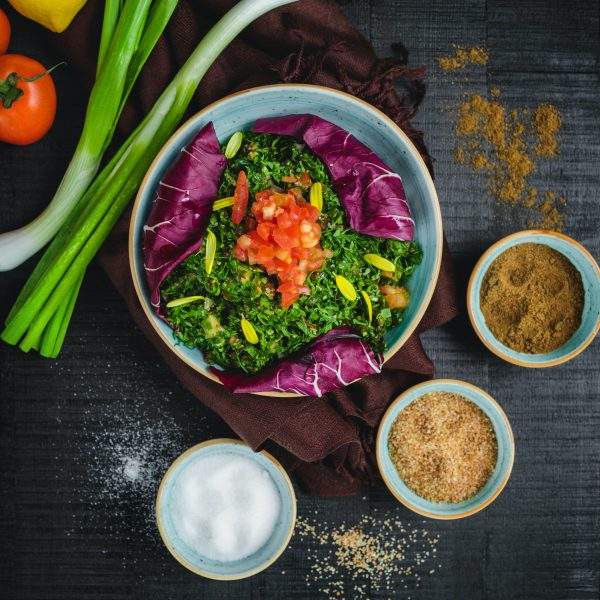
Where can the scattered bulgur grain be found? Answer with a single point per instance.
(371, 557)
(443, 446)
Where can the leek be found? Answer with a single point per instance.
(49, 295)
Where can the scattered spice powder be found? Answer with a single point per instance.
(532, 298)
(463, 57)
(443, 446)
(494, 141)
(547, 122)
(374, 557)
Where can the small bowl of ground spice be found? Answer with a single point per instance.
(445, 449)
(534, 298)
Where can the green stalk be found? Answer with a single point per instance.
(101, 208)
(157, 21)
(112, 8)
(160, 15)
(59, 337)
(58, 324)
(104, 108)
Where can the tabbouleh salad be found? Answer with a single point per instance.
(234, 292)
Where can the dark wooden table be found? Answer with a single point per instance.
(72, 529)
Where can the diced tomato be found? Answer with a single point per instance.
(283, 237)
(240, 198)
(284, 220)
(264, 230)
(287, 238)
(265, 254)
(289, 293)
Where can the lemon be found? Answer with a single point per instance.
(55, 15)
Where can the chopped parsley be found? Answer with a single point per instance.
(236, 290)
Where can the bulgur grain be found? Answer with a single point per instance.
(443, 446)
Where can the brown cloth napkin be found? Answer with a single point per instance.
(327, 441)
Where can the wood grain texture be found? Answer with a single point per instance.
(65, 538)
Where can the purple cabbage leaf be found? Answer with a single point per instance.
(371, 193)
(333, 360)
(181, 209)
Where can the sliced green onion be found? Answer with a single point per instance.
(383, 264)
(211, 250)
(234, 144)
(368, 304)
(182, 301)
(249, 331)
(223, 203)
(346, 288)
(316, 195)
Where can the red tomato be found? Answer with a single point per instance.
(284, 240)
(264, 230)
(4, 32)
(28, 107)
(240, 202)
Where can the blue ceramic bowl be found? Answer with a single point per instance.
(245, 567)
(581, 259)
(365, 122)
(494, 485)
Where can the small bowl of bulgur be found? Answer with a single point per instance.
(445, 449)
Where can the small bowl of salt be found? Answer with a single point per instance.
(224, 511)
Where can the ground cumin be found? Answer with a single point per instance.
(462, 57)
(497, 143)
(444, 447)
(547, 122)
(532, 298)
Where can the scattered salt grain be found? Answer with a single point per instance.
(225, 506)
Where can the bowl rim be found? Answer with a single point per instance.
(389, 353)
(162, 530)
(379, 446)
(508, 241)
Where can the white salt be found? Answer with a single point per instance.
(225, 506)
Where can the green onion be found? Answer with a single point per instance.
(249, 331)
(233, 145)
(125, 45)
(60, 270)
(346, 288)
(383, 264)
(210, 251)
(223, 203)
(183, 301)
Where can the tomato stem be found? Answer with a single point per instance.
(9, 92)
